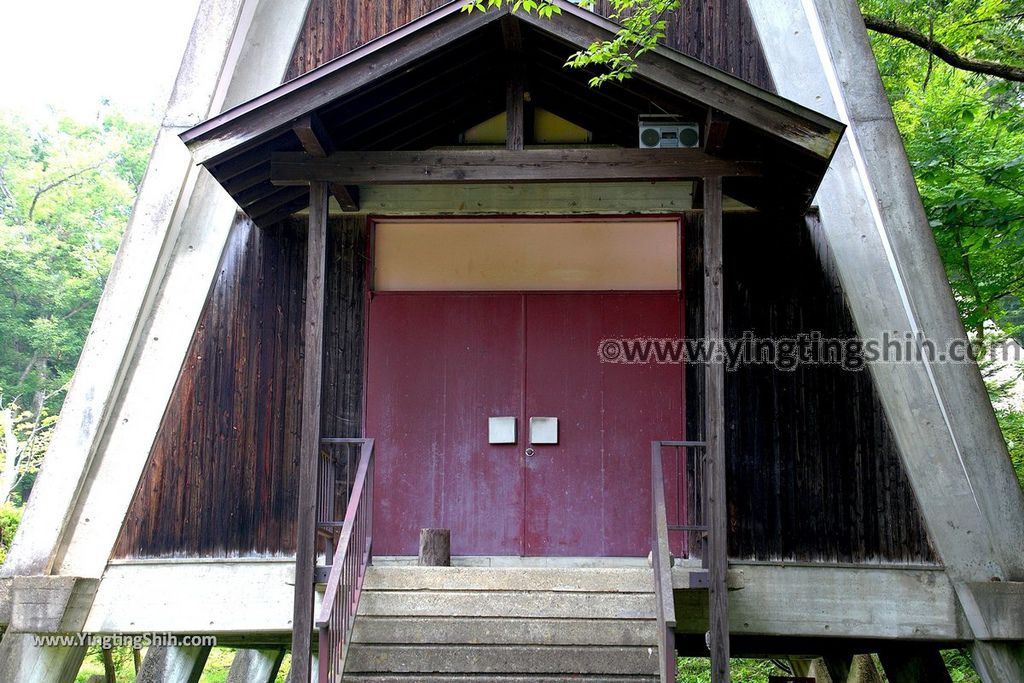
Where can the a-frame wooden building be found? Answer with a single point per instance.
(412, 287)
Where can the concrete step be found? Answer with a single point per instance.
(572, 580)
(532, 604)
(502, 659)
(504, 678)
(511, 624)
(503, 631)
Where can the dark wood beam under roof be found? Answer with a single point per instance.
(240, 127)
(418, 87)
(244, 125)
(502, 166)
(804, 128)
(317, 144)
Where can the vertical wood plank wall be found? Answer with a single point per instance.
(222, 477)
(812, 467)
(813, 471)
(718, 32)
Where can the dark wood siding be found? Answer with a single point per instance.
(814, 473)
(222, 475)
(718, 32)
(334, 27)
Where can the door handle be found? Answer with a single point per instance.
(543, 430)
(501, 430)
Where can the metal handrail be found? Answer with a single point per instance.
(351, 558)
(661, 562)
(661, 555)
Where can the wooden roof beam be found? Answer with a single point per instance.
(804, 129)
(500, 166)
(716, 128)
(515, 99)
(317, 143)
(242, 126)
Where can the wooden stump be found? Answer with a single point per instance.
(435, 548)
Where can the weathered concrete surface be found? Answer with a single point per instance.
(793, 600)
(156, 291)
(255, 666)
(994, 609)
(502, 631)
(127, 297)
(625, 580)
(564, 660)
(838, 669)
(508, 604)
(521, 623)
(22, 661)
(264, 34)
(149, 309)
(50, 604)
(503, 678)
(173, 664)
(195, 597)
(890, 269)
(832, 602)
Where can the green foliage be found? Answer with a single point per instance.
(542, 7)
(1012, 424)
(32, 431)
(66, 192)
(964, 134)
(642, 25)
(10, 518)
(961, 670)
(698, 670)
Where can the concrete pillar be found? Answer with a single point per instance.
(23, 661)
(911, 664)
(801, 665)
(255, 666)
(164, 664)
(998, 661)
(837, 666)
(864, 670)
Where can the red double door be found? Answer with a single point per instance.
(439, 365)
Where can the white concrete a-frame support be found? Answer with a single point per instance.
(949, 441)
(23, 660)
(173, 664)
(891, 272)
(157, 289)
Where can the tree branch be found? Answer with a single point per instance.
(912, 35)
(57, 183)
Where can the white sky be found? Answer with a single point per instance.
(68, 54)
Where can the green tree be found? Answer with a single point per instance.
(964, 134)
(66, 192)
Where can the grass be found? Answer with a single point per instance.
(698, 669)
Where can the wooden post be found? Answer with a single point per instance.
(515, 94)
(317, 143)
(516, 113)
(312, 369)
(109, 672)
(435, 548)
(714, 396)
